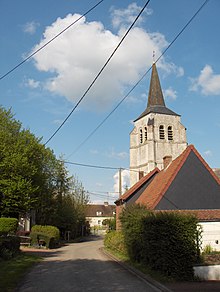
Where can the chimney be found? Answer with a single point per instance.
(166, 161)
(105, 204)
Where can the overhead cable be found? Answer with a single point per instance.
(47, 43)
(98, 75)
(137, 83)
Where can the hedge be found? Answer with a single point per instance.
(114, 240)
(170, 244)
(48, 234)
(8, 225)
(163, 241)
(9, 246)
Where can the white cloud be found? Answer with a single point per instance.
(125, 180)
(170, 93)
(75, 58)
(32, 83)
(208, 153)
(118, 155)
(207, 82)
(30, 27)
(124, 17)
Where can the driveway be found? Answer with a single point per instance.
(82, 267)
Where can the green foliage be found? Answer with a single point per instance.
(9, 246)
(48, 234)
(132, 228)
(8, 225)
(110, 223)
(51, 231)
(170, 244)
(33, 179)
(114, 240)
(208, 249)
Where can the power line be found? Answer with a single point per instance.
(138, 82)
(92, 166)
(99, 73)
(47, 43)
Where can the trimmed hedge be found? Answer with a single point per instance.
(164, 241)
(48, 234)
(170, 244)
(114, 240)
(8, 225)
(132, 229)
(9, 246)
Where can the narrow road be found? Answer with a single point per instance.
(82, 267)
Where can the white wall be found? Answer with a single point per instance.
(211, 234)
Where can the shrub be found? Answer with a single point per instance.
(8, 225)
(114, 240)
(9, 246)
(132, 229)
(49, 234)
(170, 244)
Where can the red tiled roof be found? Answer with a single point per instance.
(163, 179)
(136, 186)
(202, 215)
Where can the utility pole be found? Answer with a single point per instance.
(120, 183)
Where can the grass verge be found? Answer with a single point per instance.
(144, 269)
(13, 270)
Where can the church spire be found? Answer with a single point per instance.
(155, 95)
(156, 103)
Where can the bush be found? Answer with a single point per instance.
(9, 246)
(48, 234)
(170, 244)
(132, 229)
(114, 240)
(8, 225)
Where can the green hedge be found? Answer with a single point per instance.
(132, 229)
(170, 244)
(49, 234)
(114, 240)
(163, 241)
(8, 225)
(9, 246)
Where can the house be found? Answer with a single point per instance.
(96, 214)
(186, 184)
(167, 174)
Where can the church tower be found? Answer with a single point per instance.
(158, 134)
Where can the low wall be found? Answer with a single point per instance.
(208, 273)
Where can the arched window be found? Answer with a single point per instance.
(161, 132)
(170, 133)
(141, 136)
(145, 133)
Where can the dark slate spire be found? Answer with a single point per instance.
(156, 102)
(155, 95)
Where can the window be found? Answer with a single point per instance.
(170, 133)
(141, 136)
(98, 213)
(161, 132)
(145, 133)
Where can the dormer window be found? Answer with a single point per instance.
(98, 213)
(141, 136)
(145, 133)
(161, 132)
(170, 133)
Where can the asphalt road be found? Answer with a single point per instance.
(82, 267)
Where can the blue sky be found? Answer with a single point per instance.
(43, 91)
